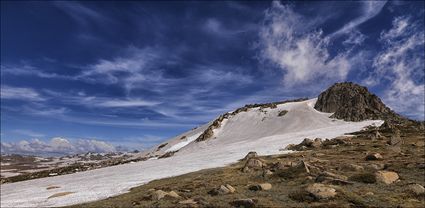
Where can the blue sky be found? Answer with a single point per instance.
(136, 73)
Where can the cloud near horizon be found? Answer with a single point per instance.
(56, 146)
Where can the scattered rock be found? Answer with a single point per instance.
(252, 164)
(395, 139)
(376, 135)
(250, 155)
(290, 147)
(167, 154)
(158, 194)
(173, 194)
(230, 188)
(188, 201)
(416, 189)
(306, 144)
(321, 191)
(222, 190)
(387, 177)
(341, 140)
(282, 113)
(246, 203)
(267, 172)
(283, 164)
(374, 156)
(261, 187)
(293, 172)
(52, 187)
(161, 146)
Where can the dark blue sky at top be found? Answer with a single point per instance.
(136, 73)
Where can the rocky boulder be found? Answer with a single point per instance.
(253, 164)
(374, 156)
(158, 194)
(261, 187)
(306, 144)
(387, 177)
(222, 190)
(353, 102)
(250, 155)
(246, 203)
(321, 191)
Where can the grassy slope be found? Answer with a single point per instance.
(287, 186)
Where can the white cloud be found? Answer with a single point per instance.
(369, 10)
(57, 145)
(354, 38)
(402, 63)
(133, 69)
(301, 53)
(18, 93)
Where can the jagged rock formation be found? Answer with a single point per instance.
(353, 102)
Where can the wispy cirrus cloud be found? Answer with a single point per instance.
(20, 93)
(28, 70)
(369, 10)
(401, 63)
(300, 52)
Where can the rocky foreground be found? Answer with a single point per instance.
(377, 167)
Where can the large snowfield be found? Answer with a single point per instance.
(260, 130)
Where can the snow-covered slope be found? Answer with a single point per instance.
(260, 130)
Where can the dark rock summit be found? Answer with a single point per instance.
(353, 102)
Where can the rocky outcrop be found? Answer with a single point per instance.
(353, 102)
